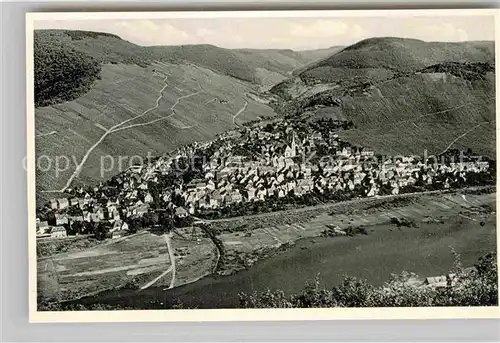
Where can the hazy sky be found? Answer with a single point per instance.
(290, 33)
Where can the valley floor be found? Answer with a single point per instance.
(146, 260)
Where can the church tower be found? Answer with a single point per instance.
(291, 150)
(294, 146)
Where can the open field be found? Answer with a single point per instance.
(125, 92)
(136, 260)
(441, 221)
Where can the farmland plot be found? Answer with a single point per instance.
(139, 258)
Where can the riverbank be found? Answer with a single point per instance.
(424, 250)
(285, 251)
(247, 241)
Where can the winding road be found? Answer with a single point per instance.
(120, 127)
(169, 269)
(46, 134)
(78, 168)
(161, 118)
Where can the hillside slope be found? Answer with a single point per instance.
(263, 67)
(133, 112)
(238, 63)
(397, 55)
(428, 112)
(404, 96)
(139, 101)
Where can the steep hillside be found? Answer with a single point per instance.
(403, 96)
(220, 60)
(61, 73)
(263, 67)
(424, 112)
(138, 101)
(397, 55)
(133, 112)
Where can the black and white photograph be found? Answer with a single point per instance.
(286, 160)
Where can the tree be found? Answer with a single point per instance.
(102, 231)
(61, 73)
(476, 288)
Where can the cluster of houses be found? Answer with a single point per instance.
(281, 170)
(244, 166)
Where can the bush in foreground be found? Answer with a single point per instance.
(478, 287)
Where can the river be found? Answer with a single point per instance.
(424, 250)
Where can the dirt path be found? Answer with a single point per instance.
(119, 127)
(162, 118)
(46, 134)
(463, 135)
(240, 112)
(433, 113)
(172, 259)
(171, 268)
(324, 206)
(79, 167)
(152, 282)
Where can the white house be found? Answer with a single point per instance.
(58, 232)
(148, 198)
(181, 212)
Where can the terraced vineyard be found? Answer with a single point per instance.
(125, 92)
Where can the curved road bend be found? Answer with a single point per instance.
(162, 118)
(240, 112)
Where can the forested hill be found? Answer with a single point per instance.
(61, 56)
(403, 96)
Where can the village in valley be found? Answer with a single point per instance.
(266, 166)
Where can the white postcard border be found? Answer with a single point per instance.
(216, 315)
